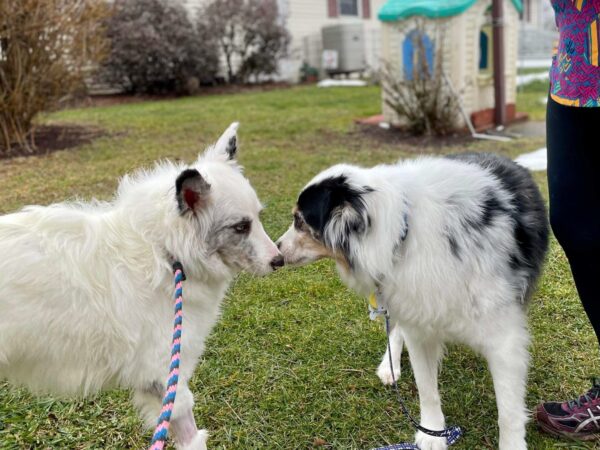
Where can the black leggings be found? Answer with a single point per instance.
(573, 136)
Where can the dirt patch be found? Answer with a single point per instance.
(219, 89)
(52, 138)
(360, 137)
(396, 136)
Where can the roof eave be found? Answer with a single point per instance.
(389, 13)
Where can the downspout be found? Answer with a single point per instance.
(499, 80)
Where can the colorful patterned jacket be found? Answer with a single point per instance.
(575, 72)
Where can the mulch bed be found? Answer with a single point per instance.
(397, 136)
(52, 138)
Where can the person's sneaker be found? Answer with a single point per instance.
(576, 419)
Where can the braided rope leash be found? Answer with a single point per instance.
(161, 431)
(452, 434)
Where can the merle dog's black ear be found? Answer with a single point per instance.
(191, 190)
(334, 202)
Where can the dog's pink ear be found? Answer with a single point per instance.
(191, 190)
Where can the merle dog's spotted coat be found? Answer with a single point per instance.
(526, 209)
(455, 245)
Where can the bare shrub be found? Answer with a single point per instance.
(155, 48)
(46, 49)
(250, 33)
(422, 101)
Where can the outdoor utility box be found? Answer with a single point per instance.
(348, 40)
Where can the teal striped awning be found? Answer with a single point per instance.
(394, 10)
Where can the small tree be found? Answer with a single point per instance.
(46, 49)
(421, 99)
(251, 35)
(155, 48)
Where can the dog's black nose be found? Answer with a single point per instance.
(277, 262)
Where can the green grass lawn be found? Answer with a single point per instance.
(292, 363)
(531, 99)
(530, 70)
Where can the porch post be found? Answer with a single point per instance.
(499, 80)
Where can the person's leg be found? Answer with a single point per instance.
(574, 185)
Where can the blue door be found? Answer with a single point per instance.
(410, 53)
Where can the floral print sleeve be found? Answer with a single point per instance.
(575, 72)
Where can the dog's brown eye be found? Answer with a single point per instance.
(242, 227)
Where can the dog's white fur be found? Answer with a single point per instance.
(86, 289)
(432, 296)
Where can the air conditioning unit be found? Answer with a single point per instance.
(348, 41)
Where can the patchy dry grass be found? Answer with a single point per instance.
(292, 363)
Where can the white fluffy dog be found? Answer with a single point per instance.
(86, 289)
(455, 246)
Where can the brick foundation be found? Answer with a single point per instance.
(484, 119)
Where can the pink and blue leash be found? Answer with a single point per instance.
(159, 439)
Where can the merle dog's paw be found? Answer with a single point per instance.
(426, 442)
(385, 374)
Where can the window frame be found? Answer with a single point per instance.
(359, 12)
(486, 75)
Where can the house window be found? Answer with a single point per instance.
(417, 54)
(486, 50)
(348, 7)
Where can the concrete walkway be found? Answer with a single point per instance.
(535, 160)
(529, 128)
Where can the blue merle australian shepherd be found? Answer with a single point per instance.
(454, 246)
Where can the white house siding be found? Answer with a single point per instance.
(462, 60)
(306, 18)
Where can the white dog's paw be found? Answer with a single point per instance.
(426, 442)
(385, 374)
(198, 443)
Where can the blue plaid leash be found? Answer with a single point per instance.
(452, 434)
